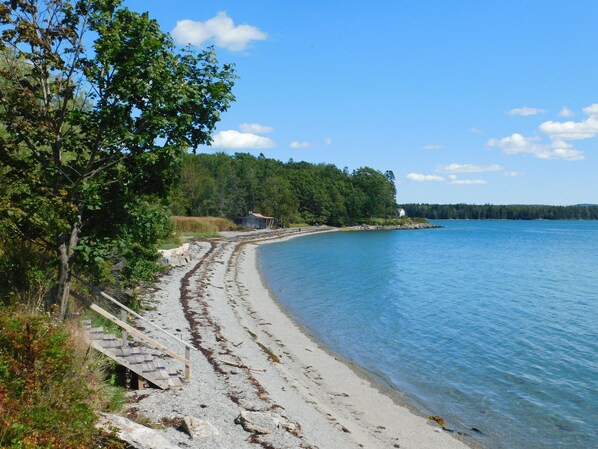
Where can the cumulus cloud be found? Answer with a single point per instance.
(526, 111)
(467, 168)
(475, 130)
(255, 128)
(418, 177)
(433, 147)
(559, 133)
(297, 144)
(572, 130)
(519, 144)
(512, 173)
(328, 141)
(220, 29)
(235, 140)
(566, 112)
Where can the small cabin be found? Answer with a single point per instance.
(401, 212)
(257, 221)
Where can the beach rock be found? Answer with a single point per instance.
(138, 436)
(197, 428)
(257, 422)
(264, 423)
(177, 257)
(283, 422)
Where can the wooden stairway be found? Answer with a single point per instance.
(132, 357)
(136, 359)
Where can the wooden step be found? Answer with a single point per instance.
(132, 357)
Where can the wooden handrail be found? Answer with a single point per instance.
(132, 312)
(127, 327)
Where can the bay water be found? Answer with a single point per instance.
(492, 325)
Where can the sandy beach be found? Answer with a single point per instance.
(251, 357)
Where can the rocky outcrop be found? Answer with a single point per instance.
(406, 226)
(136, 435)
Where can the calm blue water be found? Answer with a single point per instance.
(490, 324)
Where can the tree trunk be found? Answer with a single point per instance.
(66, 250)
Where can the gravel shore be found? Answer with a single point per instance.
(256, 377)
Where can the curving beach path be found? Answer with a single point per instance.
(253, 358)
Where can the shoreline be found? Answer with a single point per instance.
(383, 386)
(254, 357)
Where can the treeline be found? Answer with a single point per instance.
(501, 212)
(292, 192)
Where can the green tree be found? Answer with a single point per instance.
(279, 200)
(379, 191)
(86, 129)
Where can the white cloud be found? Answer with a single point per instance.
(454, 179)
(519, 144)
(297, 144)
(560, 133)
(468, 168)
(220, 29)
(572, 130)
(563, 150)
(418, 177)
(512, 173)
(468, 182)
(235, 140)
(328, 141)
(433, 147)
(255, 128)
(475, 130)
(526, 111)
(566, 112)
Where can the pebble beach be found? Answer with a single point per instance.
(257, 378)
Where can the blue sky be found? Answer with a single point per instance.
(465, 101)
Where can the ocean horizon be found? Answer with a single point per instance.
(489, 324)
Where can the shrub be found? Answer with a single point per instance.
(49, 384)
(26, 274)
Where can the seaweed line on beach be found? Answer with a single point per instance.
(214, 345)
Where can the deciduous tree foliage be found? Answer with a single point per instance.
(300, 192)
(96, 108)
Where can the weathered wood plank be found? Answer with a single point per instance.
(130, 329)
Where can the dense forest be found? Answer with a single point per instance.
(503, 212)
(292, 192)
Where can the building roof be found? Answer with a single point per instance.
(255, 214)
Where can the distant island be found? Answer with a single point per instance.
(502, 212)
